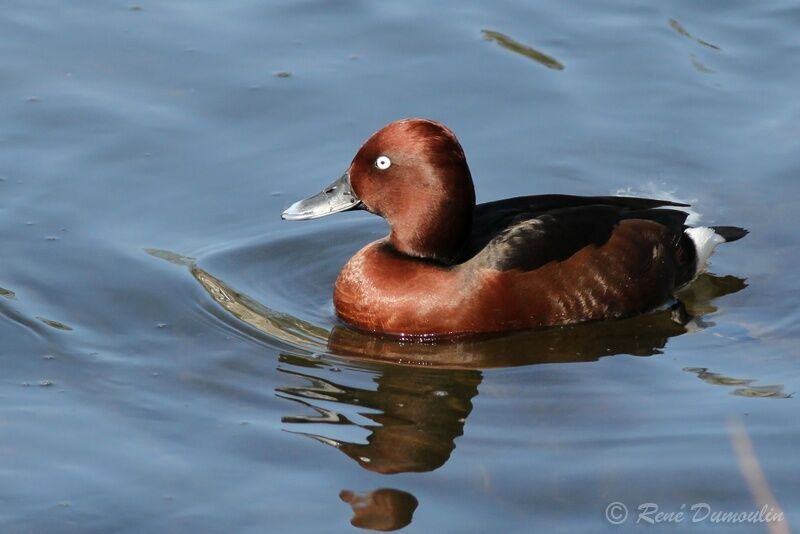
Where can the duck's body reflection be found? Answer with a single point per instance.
(423, 391)
(419, 409)
(415, 415)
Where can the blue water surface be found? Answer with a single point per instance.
(169, 357)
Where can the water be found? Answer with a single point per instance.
(169, 355)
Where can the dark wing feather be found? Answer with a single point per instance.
(527, 232)
(538, 203)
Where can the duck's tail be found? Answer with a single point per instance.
(706, 239)
(730, 233)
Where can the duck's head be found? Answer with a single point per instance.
(414, 174)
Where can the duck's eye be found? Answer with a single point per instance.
(383, 163)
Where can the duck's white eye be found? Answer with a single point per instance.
(383, 163)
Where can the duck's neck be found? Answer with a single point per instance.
(440, 234)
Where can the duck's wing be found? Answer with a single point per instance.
(496, 215)
(527, 232)
(548, 202)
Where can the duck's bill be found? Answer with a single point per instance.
(339, 196)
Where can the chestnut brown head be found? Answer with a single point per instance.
(414, 174)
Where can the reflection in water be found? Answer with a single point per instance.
(418, 408)
(717, 379)
(643, 335)
(278, 325)
(515, 46)
(171, 257)
(773, 391)
(7, 293)
(9, 310)
(699, 66)
(421, 392)
(678, 27)
(414, 414)
(383, 509)
(58, 325)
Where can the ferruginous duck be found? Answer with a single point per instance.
(451, 268)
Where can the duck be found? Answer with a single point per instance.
(453, 268)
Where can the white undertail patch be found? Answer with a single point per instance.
(705, 240)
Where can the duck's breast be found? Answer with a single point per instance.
(383, 291)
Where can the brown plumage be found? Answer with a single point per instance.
(449, 267)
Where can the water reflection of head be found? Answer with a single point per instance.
(384, 509)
